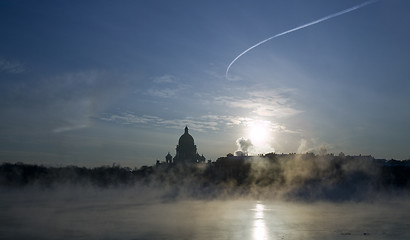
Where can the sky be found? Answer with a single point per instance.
(92, 83)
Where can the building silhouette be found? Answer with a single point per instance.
(168, 158)
(186, 151)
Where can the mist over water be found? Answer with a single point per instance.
(294, 196)
(141, 212)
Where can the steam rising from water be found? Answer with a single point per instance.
(140, 213)
(298, 28)
(296, 196)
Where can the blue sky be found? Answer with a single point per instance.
(97, 82)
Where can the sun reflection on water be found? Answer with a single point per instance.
(259, 226)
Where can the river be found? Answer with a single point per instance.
(131, 214)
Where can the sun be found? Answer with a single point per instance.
(259, 132)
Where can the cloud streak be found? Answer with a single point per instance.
(298, 28)
(201, 123)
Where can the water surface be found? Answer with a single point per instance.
(138, 214)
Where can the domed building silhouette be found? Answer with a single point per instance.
(186, 151)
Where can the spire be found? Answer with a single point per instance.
(186, 129)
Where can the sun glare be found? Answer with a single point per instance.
(259, 132)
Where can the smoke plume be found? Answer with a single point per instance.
(244, 145)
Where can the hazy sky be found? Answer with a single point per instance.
(96, 82)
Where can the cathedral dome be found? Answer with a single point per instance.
(186, 139)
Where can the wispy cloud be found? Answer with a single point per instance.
(165, 79)
(163, 93)
(201, 124)
(216, 75)
(69, 128)
(60, 103)
(130, 118)
(273, 103)
(11, 66)
(166, 86)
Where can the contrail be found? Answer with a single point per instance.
(300, 27)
